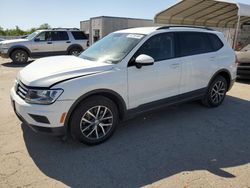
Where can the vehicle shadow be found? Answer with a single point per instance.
(244, 81)
(14, 65)
(151, 147)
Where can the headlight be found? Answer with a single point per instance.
(37, 96)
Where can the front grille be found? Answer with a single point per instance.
(21, 90)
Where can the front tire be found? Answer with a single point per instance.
(216, 92)
(19, 56)
(94, 120)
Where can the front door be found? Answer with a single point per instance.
(42, 44)
(159, 81)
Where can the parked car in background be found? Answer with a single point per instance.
(41, 43)
(1, 39)
(243, 69)
(125, 73)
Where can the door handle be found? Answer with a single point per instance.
(68, 42)
(175, 65)
(49, 42)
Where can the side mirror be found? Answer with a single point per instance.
(144, 60)
(36, 39)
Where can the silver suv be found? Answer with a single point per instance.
(41, 43)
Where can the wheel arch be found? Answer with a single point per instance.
(112, 95)
(19, 47)
(224, 73)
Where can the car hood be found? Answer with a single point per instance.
(243, 57)
(45, 72)
(14, 41)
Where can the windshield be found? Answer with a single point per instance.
(112, 48)
(246, 48)
(32, 35)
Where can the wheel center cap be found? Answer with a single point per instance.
(97, 122)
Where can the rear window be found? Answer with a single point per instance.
(59, 35)
(193, 43)
(79, 35)
(215, 42)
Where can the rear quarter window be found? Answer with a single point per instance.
(79, 35)
(215, 41)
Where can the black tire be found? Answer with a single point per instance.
(75, 51)
(19, 56)
(83, 122)
(216, 92)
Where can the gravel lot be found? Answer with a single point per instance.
(181, 146)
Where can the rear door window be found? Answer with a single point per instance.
(59, 35)
(193, 43)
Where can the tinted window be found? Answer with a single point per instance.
(79, 35)
(215, 42)
(159, 47)
(192, 43)
(44, 36)
(59, 35)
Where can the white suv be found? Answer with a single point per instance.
(125, 73)
(42, 43)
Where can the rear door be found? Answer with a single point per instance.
(60, 41)
(197, 57)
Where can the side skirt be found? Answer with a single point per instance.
(178, 99)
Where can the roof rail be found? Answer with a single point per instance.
(187, 26)
(60, 28)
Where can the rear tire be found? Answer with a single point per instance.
(94, 120)
(216, 92)
(75, 51)
(19, 56)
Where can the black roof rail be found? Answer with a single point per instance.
(187, 26)
(60, 28)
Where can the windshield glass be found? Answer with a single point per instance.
(32, 35)
(112, 48)
(246, 48)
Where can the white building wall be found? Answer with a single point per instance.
(108, 25)
(85, 26)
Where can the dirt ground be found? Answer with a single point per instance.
(180, 146)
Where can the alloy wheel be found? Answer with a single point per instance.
(75, 53)
(218, 92)
(20, 57)
(96, 122)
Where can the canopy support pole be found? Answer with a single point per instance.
(236, 33)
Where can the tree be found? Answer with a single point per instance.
(1, 31)
(45, 26)
(19, 32)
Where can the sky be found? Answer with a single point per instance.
(68, 13)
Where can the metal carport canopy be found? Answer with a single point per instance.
(209, 13)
